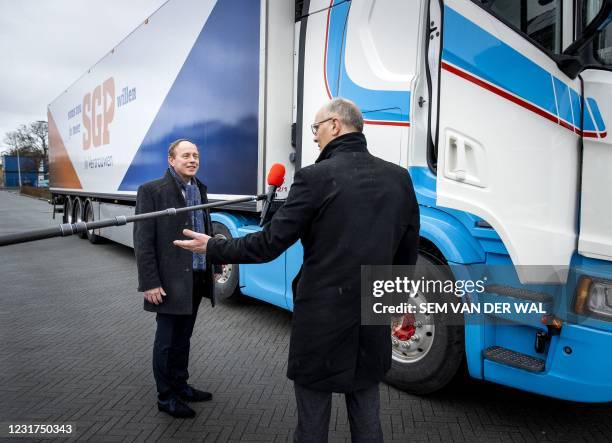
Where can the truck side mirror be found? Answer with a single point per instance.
(569, 61)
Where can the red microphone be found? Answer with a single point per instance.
(276, 177)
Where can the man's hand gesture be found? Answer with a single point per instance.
(198, 244)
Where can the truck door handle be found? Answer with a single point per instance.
(460, 168)
(465, 160)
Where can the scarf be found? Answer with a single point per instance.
(193, 198)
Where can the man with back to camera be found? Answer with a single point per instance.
(349, 208)
(173, 280)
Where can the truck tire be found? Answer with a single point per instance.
(68, 210)
(226, 288)
(427, 350)
(79, 214)
(89, 217)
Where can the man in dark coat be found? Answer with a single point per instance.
(348, 209)
(173, 280)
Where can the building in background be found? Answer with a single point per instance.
(22, 171)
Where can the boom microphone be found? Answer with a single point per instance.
(276, 177)
(67, 229)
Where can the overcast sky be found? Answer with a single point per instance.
(45, 45)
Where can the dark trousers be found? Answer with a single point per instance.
(314, 410)
(172, 342)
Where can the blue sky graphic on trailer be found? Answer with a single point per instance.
(221, 117)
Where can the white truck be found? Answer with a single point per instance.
(497, 108)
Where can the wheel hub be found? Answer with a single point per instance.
(412, 336)
(406, 329)
(225, 274)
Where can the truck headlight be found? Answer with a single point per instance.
(594, 297)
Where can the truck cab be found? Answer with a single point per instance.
(499, 111)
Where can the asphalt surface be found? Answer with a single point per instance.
(76, 348)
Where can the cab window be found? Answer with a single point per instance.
(602, 44)
(540, 20)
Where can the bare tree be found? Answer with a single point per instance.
(39, 131)
(28, 141)
(11, 139)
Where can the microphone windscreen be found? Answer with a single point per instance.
(276, 176)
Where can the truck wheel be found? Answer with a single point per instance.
(226, 288)
(89, 217)
(79, 215)
(68, 210)
(427, 350)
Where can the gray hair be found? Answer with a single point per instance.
(347, 111)
(174, 144)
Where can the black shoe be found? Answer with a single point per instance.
(175, 408)
(191, 394)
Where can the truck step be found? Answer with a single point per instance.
(515, 359)
(521, 293)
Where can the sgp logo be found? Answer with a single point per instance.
(98, 113)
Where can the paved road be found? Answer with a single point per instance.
(76, 347)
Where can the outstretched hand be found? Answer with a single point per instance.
(197, 244)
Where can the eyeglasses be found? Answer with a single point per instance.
(315, 126)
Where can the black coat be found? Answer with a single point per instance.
(349, 208)
(159, 262)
